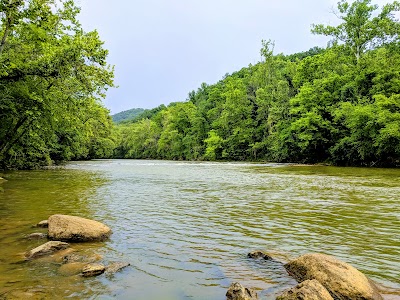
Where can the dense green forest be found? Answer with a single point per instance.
(53, 75)
(127, 115)
(338, 105)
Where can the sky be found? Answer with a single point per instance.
(163, 49)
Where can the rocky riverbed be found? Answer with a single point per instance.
(320, 276)
(64, 232)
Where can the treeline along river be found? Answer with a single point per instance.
(186, 227)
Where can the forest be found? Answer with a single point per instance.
(337, 105)
(130, 114)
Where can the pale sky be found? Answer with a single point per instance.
(163, 49)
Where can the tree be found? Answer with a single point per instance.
(235, 124)
(140, 139)
(52, 78)
(373, 136)
(360, 31)
(214, 146)
(182, 132)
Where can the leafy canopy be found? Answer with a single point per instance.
(360, 30)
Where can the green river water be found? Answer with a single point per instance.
(186, 227)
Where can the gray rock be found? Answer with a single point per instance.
(36, 236)
(43, 224)
(307, 290)
(259, 254)
(46, 249)
(237, 292)
(76, 229)
(93, 270)
(341, 280)
(116, 267)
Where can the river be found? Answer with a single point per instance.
(186, 227)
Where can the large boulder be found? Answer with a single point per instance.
(76, 229)
(341, 279)
(237, 292)
(307, 290)
(46, 249)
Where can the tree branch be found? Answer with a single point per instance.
(5, 35)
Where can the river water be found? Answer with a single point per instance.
(186, 227)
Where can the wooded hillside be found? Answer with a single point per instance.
(338, 105)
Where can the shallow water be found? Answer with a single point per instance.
(186, 227)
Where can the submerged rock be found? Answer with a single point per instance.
(27, 293)
(46, 249)
(75, 257)
(76, 229)
(71, 269)
(71, 258)
(116, 267)
(259, 254)
(307, 290)
(57, 257)
(43, 224)
(340, 279)
(237, 292)
(93, 270)
(36, 236)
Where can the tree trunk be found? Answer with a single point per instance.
(6, 32)
(11, 135)
(9, 21)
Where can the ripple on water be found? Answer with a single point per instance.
(186, 227)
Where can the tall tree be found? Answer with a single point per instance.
(52, 78)
(360, 30)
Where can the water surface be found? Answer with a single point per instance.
(186, 227)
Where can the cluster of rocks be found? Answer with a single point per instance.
(64, 229)
(320, 277)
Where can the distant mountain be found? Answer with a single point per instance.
(127, 115)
